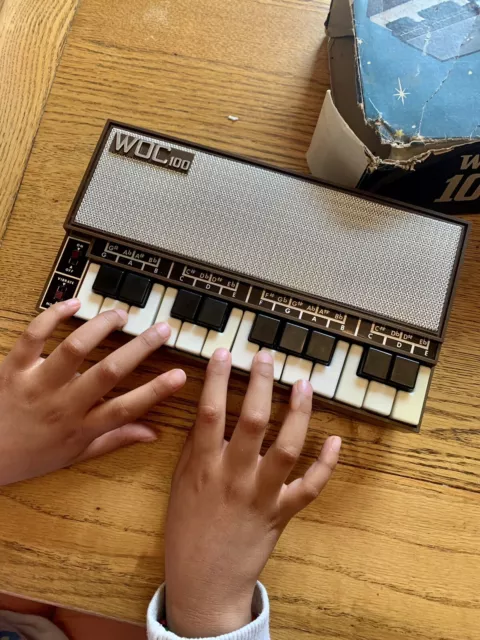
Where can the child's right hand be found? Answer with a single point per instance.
(228, 505)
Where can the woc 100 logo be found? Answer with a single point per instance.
(157, 153)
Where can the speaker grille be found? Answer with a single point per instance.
(275, 227)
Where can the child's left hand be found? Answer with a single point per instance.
(50, 417)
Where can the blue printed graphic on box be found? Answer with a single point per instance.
(9, 635)
(419, 68)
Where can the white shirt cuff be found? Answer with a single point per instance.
(258, 629)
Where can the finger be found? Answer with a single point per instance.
(121, 437)
(209, 430)
(303, 491)
(132, 405)
(280, 459)
(63, 363)
(247, 438)
(29, 346)
(104, 376)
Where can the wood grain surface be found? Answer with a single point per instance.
(32, 35)
(391, 549)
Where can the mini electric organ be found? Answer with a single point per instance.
(350, 292)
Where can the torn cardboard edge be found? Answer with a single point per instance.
(338, 155)
(347, 91)
(345, 149)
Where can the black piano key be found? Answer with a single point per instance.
(213, 314)
(108, 281)
(186, 305)
(264, 330)
(293, 338)
(321, 347)
(135, 290)
(404, 373)
(375, 364)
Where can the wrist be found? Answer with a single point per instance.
(209, 615)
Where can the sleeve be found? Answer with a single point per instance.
(21, 626)
(256, 630)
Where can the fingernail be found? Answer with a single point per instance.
(73, 302)
(304, 387)
(335, 444)
(151, 437)
(264, 356)
(221, 355)
(162, 329)
(122, 314)
(177, 378)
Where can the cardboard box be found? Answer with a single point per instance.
(403, 117)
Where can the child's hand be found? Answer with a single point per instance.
(51, 417)
(228, 505)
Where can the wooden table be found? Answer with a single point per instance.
(391, 550)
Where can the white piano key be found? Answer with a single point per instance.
(408, 405)
(351, 389)
(379, 398)
(278, 362)
(91, 302)
(191, 338)
(141, 319)
(324, 379)
(296, 369)
(110, 303)
(243, 351)
(163, 315)
(216, 340)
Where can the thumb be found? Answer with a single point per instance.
(122, 437)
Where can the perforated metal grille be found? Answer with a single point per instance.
(275, 227)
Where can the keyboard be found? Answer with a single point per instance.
(343, 290)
